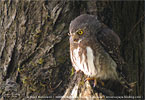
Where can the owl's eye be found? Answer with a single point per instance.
(80, 32)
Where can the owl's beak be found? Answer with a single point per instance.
(75, 38)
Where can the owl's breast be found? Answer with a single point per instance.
(94, 63)
(83, 59)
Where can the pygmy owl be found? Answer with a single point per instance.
(94, 48)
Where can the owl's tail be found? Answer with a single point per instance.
(126, 84)
(123, 72)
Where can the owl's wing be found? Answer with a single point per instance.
(111, 42)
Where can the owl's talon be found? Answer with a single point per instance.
(77, 71)
(89, 79)
(95, 82)
(102, 83)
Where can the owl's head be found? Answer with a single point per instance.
(83, 27)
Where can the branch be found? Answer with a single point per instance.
(80, 89)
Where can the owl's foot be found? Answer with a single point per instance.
(96, 81)
(92, 78)
(77, 71)
(102, 83)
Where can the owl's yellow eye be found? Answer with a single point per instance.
(80, 32)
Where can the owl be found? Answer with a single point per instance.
(94, 48)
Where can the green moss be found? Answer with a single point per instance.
(30, 42)
(40, 61)
(36, 36)
(82, 82)
(20, 69)
(25, 80)
(38, 31)
(43, 85)
(72, 71)
(33, 64)
(32, 89)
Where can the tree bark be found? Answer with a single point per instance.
(34, 46)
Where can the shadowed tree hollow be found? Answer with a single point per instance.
(34, 46)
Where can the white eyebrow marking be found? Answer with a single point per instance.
(74, 33)
(79, 40)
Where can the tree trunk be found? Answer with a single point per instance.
(34, 46)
